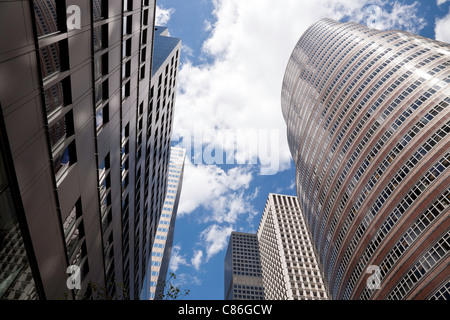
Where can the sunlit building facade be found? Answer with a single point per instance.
(289, 266)
(156, 276)
(368, 122)
(85, 145)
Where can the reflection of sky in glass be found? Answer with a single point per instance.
(65, 158)
(98, 67)
(61, 161)
(99, 93)
(97, 36)
(99, 119)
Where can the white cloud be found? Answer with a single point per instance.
(442, 29)
(400, 16)
(176, 259)
(215, 239)
(185, 281)
(204, 185)
(292, 185)
(186, 50)
(248, 48)
(196, 260)
(163, 15)
(439, 2)
(238, 86)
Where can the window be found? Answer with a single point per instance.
(99, 9)
(145, 18)
(73, 228)
(144, 37)
(49, 57)
(46, 14)
(126, 69)
(63, 160)
(142, 72)
(127, 5)
(127, 24)
(126, 48)
(100, 36)
(101, 117)
(54, 97)
(101, 91)
(100, 66)
(126, 90)
(60, 129)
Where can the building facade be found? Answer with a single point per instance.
(368, 121)
(162, 246)
(86, 155)
(243, 277)
(289, 267)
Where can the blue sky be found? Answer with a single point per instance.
(233, 60)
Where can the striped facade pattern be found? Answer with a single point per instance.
(162, 246)
(289, 265)
(367, 120)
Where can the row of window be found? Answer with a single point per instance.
(385, 227)
(419, 226)
(410, 198)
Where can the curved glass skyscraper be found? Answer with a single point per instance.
(368, 128)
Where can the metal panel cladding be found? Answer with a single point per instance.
(368, 122)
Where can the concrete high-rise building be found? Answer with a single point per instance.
(159, 131)
(242, 272)
(368, 122)
(85, 149)
(162, 246)
(289, 267)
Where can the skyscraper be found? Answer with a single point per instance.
(160, 122)
(85, 150)
(242, 272)
(368, 122)
(289, 267)
(162, 247)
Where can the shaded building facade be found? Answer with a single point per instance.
(242, 271)
(368, 122)
(78, 128)
(290, 270)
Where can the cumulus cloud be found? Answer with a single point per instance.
(186, 50)
(185, 281)
(176, 259)
(442, 29)
(197, 258)
(439, 2)
(247, 49)
(163, 15)
(238, 86)
(205, 184)
(215, 239)
(400, 16)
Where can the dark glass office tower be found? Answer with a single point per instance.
(75, 109)
(368, 128)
